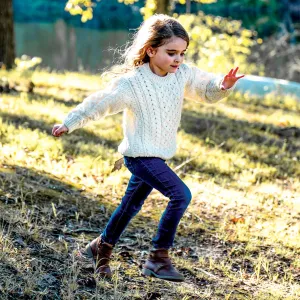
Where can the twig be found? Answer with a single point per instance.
(83, 230)
(184, 163)
(189, 160)
(207, 273)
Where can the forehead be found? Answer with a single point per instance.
(175, 43)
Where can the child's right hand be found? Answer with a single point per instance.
(59, 129)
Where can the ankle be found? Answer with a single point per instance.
(105, 243)
(160, 253)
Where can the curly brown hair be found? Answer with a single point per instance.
(153, 32)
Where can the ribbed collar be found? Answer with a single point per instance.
(159, 79)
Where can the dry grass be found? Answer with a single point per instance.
(239, 239)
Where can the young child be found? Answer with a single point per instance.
(150, 92)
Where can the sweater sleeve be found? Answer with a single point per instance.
(202, 86)
(109, 101)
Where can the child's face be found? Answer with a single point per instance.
(167, 58)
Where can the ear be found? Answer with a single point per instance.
(151, 51)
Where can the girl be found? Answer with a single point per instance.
(150, 92)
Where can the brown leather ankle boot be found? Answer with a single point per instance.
(159, 265)
(100, 252)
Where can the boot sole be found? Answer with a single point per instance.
(150, 273)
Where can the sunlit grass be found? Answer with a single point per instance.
(239, 157)
(54, 79)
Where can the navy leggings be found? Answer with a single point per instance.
(149, 173)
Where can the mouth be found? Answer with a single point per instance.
(175, 67)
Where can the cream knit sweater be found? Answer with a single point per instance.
(152, 107)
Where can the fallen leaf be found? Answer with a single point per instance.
(238, 220)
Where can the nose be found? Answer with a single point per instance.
(177, 59)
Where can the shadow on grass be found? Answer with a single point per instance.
(43, 189)
(56, 233)
(39, 96)
(221, 128)
(259, 106)
(69, 141)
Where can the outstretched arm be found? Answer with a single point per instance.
(109, 101)
(207, 87)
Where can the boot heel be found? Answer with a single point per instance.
(146, 272)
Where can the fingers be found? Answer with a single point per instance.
(235, 71)
(58, 130)
(232, 73)
(55, 132)
(54, 129)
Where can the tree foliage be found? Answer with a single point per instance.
(217, 44)
(81, 7)
(85, 7)
(266, 16)
(199, 1)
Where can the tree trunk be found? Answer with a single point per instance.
(163, 7)
(7, 43)
(287, 20)
(188, 6)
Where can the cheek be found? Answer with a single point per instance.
(168, 58)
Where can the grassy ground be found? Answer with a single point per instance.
(239, 239)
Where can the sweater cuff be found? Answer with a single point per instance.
(225, 91)
(71, 124)
(214, 92)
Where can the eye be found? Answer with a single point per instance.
(172, 54)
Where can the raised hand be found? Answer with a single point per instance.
(230, 79)
(59, 129)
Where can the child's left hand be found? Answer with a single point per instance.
(230, 79)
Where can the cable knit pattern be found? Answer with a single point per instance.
(152, 107)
